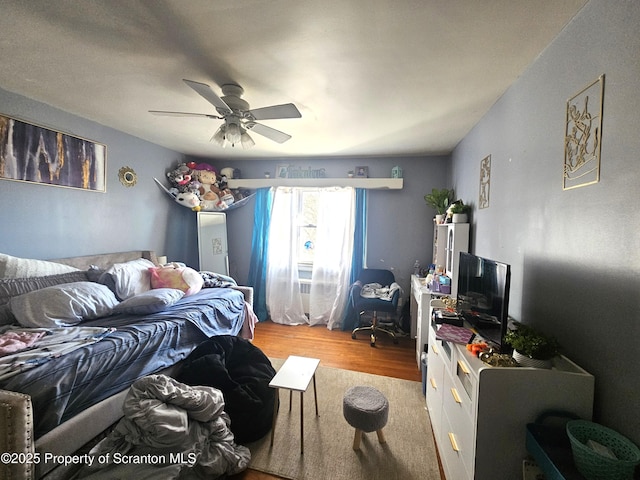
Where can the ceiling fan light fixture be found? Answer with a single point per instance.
(237, 116)
(218, 137)
(247, 141)
(233, 133)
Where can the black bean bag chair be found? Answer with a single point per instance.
(242, 372)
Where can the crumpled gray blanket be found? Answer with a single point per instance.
(171, 431)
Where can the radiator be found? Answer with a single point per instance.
(305, 290)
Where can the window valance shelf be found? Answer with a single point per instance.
(370, 183)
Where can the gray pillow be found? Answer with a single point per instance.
(152, 301)
(12, 287)
(63, 305)
(100, 275)
(16, 267)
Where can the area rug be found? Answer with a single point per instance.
(409, 451)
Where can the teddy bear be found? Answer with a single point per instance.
(208, 182)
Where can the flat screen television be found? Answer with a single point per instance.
(483, 297)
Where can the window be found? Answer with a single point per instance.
(312, 225)
(307, 227)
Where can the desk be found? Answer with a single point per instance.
(295, 374)
(421, 298)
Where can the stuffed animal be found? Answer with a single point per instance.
(181, 177)
(199, 187)
(189, 200)
(200, 166)
(176, 276)
(227, 197)
(209, 182)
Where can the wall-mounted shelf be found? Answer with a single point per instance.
(371, 183)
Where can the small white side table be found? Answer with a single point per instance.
(295, 374)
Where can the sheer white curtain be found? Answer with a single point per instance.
(284, 301)
(332, 260)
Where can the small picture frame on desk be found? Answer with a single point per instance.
(362, 172)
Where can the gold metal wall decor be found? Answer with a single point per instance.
(485, 182)
(127, 176)
(583, 136)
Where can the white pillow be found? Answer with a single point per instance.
(15, 267)
(63, 305)
(131, 278)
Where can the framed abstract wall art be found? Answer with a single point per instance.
(583, 136)
(31, 153)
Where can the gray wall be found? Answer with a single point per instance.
(41, 221)
(575, 254)
(400, 223)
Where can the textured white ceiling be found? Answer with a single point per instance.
(370, 77)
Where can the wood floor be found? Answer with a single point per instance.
(335, 349)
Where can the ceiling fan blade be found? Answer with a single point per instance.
(182, 114)
(205, 91)
(286, 110)
(270, 133)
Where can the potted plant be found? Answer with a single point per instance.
(531, 348)
(439, 199)
(459, 212)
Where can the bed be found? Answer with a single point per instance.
(65, 401)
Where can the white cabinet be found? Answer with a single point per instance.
(449, 240)
(213, 252)
(479, 413)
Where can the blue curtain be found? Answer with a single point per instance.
(259, 246)
(359, 250)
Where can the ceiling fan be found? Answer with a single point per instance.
(238, 117)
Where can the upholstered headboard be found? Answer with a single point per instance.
(105, 260)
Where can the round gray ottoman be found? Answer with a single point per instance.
(367, 410)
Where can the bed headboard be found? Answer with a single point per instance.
(105, 260)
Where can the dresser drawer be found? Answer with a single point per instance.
(435, 386)
(461, 433)
(452, 452)
(464, 384)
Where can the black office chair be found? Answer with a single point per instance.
(361, 304)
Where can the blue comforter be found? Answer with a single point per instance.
(141, 345)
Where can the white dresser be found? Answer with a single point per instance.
(479, 413)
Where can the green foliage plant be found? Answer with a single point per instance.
(460, 207)
(532, 343)
(439, 199)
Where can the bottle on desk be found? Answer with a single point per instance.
(416, 268)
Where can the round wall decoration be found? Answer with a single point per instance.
(127, 176)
